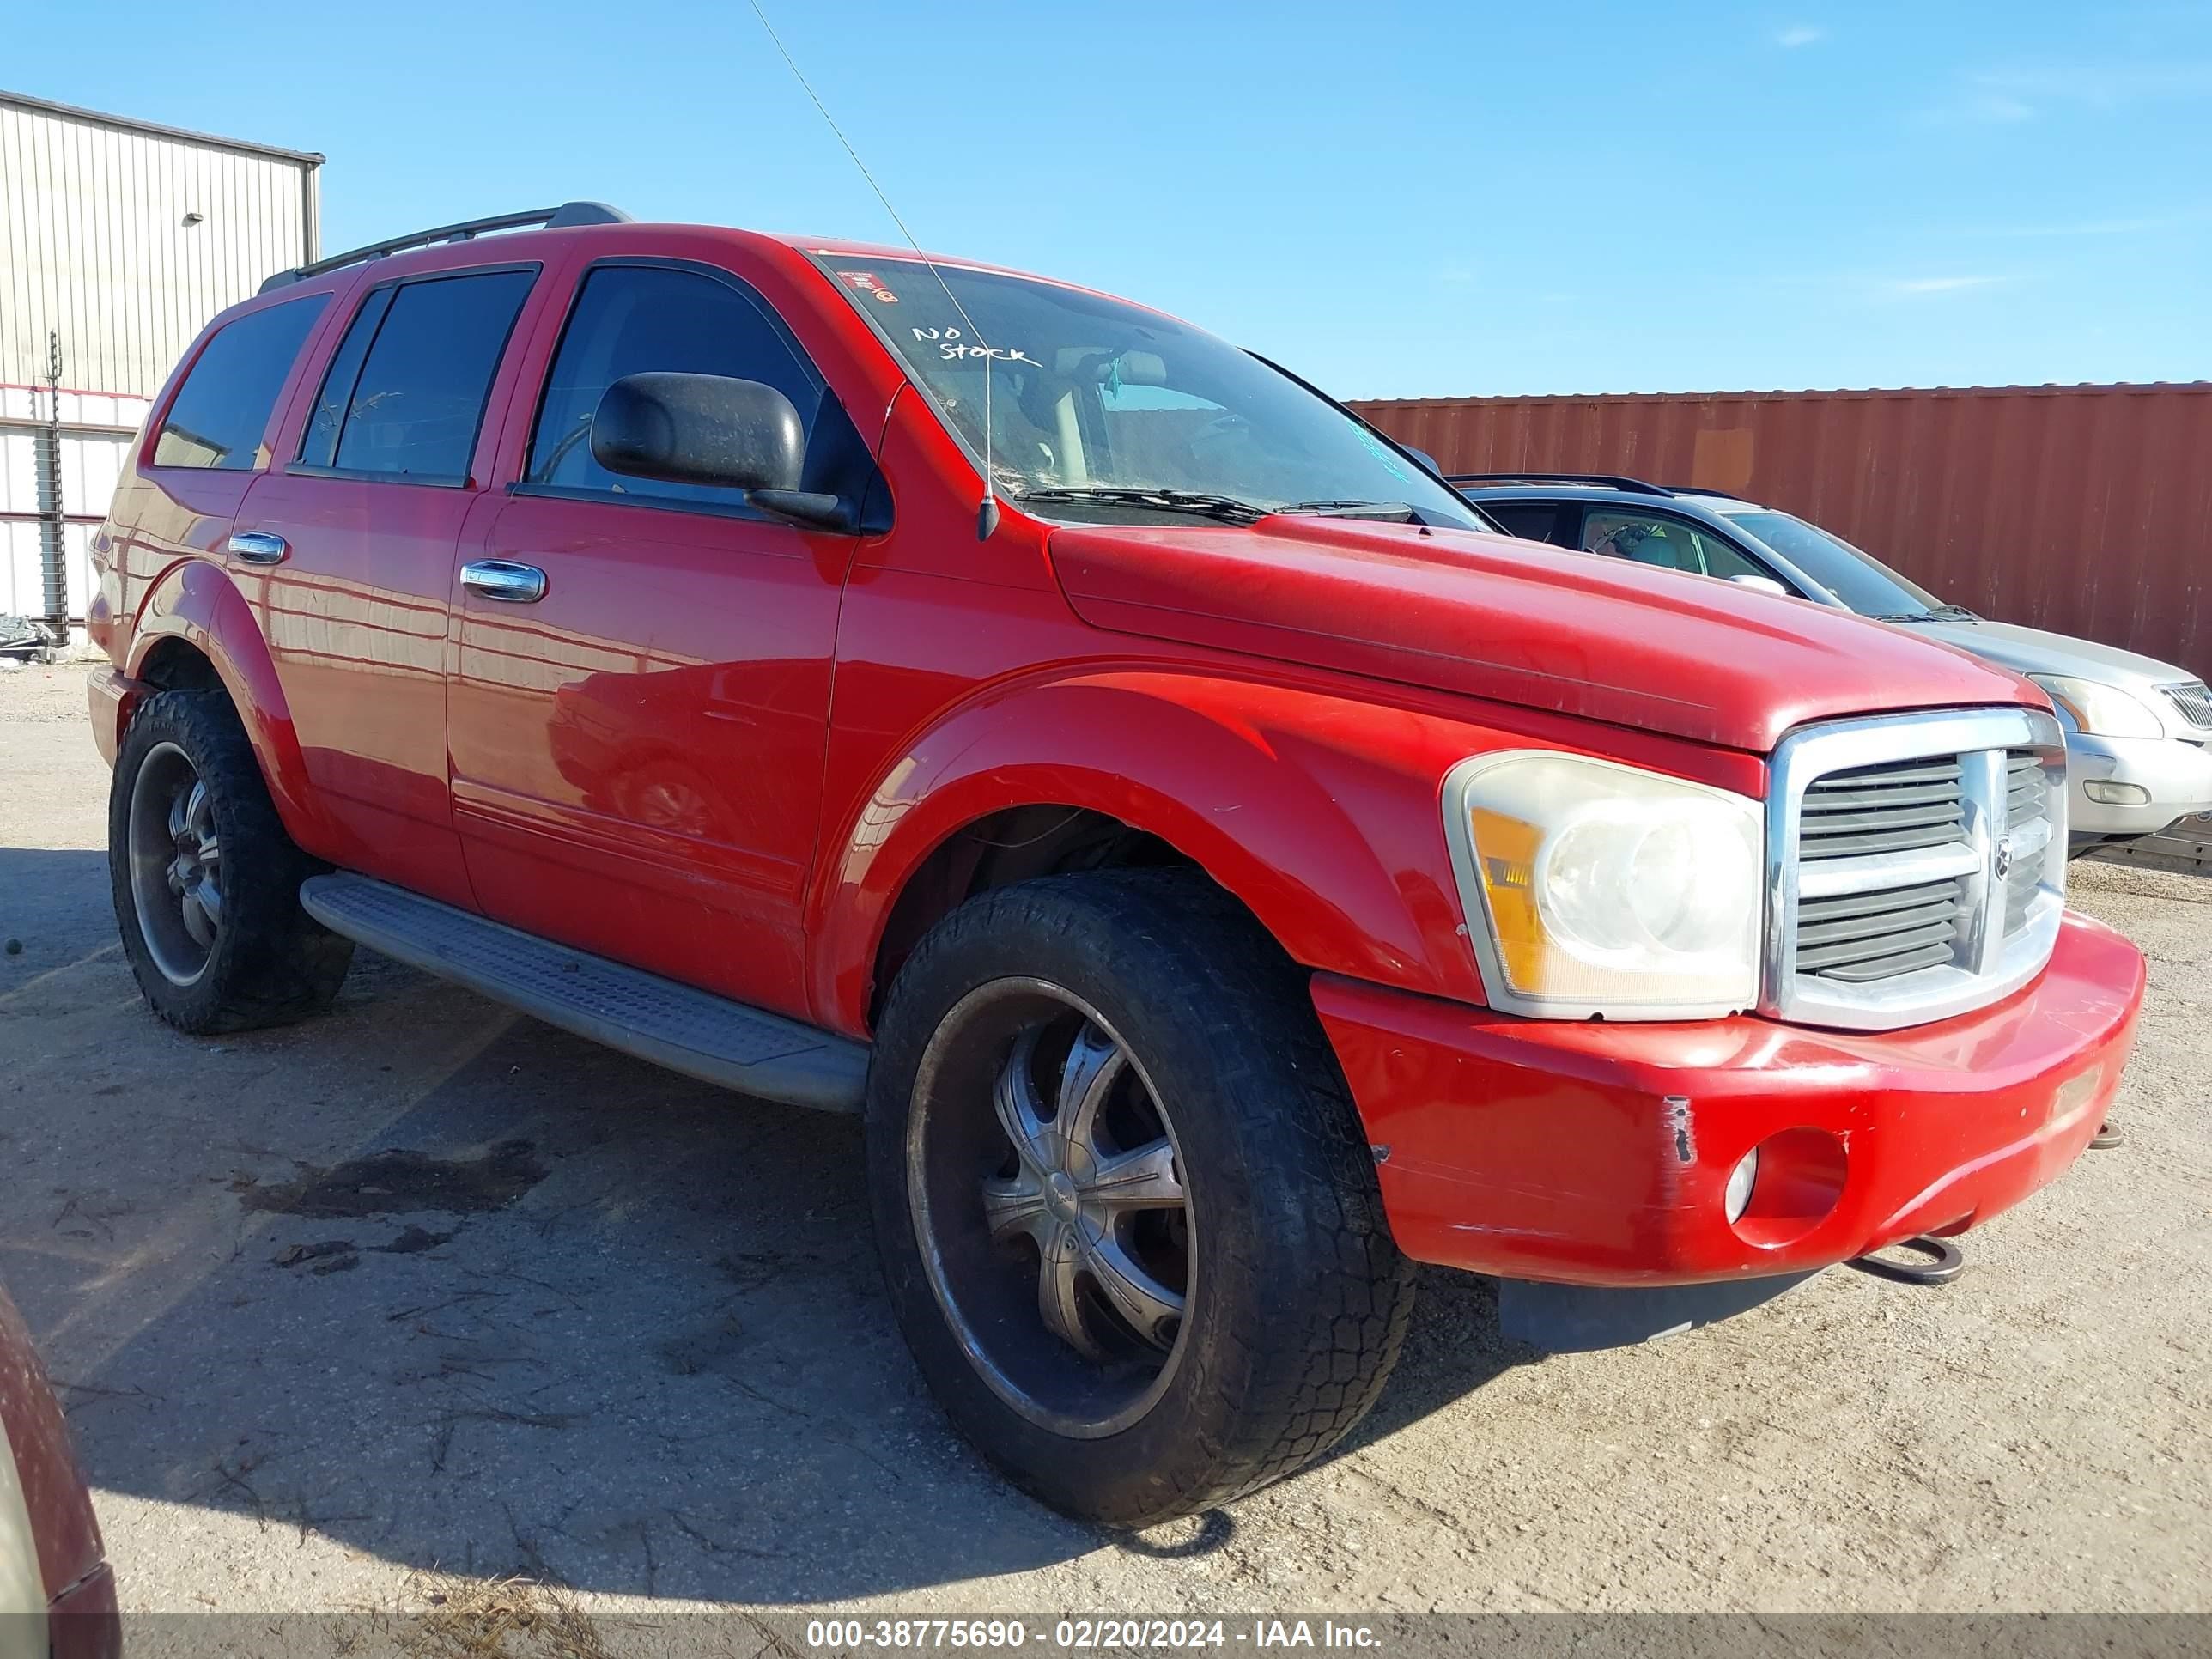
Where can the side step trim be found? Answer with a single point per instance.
(678, 1026)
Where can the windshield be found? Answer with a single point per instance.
(1092, 398)
(1862, 582)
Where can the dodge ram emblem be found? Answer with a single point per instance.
(2002, 865)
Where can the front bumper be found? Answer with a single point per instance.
(2175, 775)
(1594, 1153)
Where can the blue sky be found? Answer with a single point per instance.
(1396, 200)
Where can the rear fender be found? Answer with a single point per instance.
(195, 601)
(1320, 813)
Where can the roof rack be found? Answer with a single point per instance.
(1703, 489)
(1610, 480)
(566, 215)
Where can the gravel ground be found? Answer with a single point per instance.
(603, 1325)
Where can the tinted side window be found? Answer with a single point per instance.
(223, 406)
(405, 391)
(1532, 521)
(320, 441)
(634, 319)
(1668, 542)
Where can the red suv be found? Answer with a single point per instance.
(1223, 873)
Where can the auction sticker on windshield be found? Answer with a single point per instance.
(868, 283)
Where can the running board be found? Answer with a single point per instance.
(686, 1030)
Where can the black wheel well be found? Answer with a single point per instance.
(1017, 844)
(178, 665)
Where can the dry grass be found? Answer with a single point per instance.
(516, 1618)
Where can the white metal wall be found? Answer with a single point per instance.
(96, 435)
(94, 243)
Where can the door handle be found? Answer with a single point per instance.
(502, 578)
(258, 546)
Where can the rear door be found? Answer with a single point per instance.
(639, 721)
(202, 454)
(347, 551)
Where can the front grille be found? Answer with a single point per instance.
(2193, 700)
(1919, 861)
(1857, 938)
(1890, 808)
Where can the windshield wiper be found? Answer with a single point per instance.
(1941, 613)
(1198, 502)
(1399, 512)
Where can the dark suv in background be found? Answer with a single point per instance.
(2138, 731)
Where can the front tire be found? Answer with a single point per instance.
(206, 883)
(1129, 1220)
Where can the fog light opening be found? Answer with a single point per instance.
(1740, 1183)
(2116, 794)
(1785, 1187)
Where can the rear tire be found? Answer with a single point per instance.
(1186, 1288)
(206, 883)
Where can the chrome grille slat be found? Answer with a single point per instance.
(1882, 809)
(1825, 820)
(1905, 795)
(1819, 928)
(1934, 955)
(2194, 701)
(1822, 958)
(2025, 789)
(1883, 901)
(1853, 843)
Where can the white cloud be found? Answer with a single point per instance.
(1800, 34)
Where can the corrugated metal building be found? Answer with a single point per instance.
(2083, 508)
(118, 239)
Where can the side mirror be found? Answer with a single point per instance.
(1762, 585)
(711, 429)
(1424, 458)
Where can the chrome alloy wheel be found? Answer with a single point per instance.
(176, 864)
(1049, 1201)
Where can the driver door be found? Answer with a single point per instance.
(638, 720)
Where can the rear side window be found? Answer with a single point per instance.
(221, 409)
(1668, 542)
(637, 319)
(404, 393)
(1532, 521)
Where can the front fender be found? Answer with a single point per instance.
(195, 601)
(1322, 814)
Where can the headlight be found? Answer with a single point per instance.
(2103, 711)
(1594, 888)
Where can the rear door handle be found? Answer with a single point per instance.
(259, 546)
(502, 578)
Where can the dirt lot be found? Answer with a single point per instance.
(424, 1285)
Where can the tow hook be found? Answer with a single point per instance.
(2108, 1136)
(1944, 1264)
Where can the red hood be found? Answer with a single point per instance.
(1491, 618)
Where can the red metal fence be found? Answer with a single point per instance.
(2083, 508)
